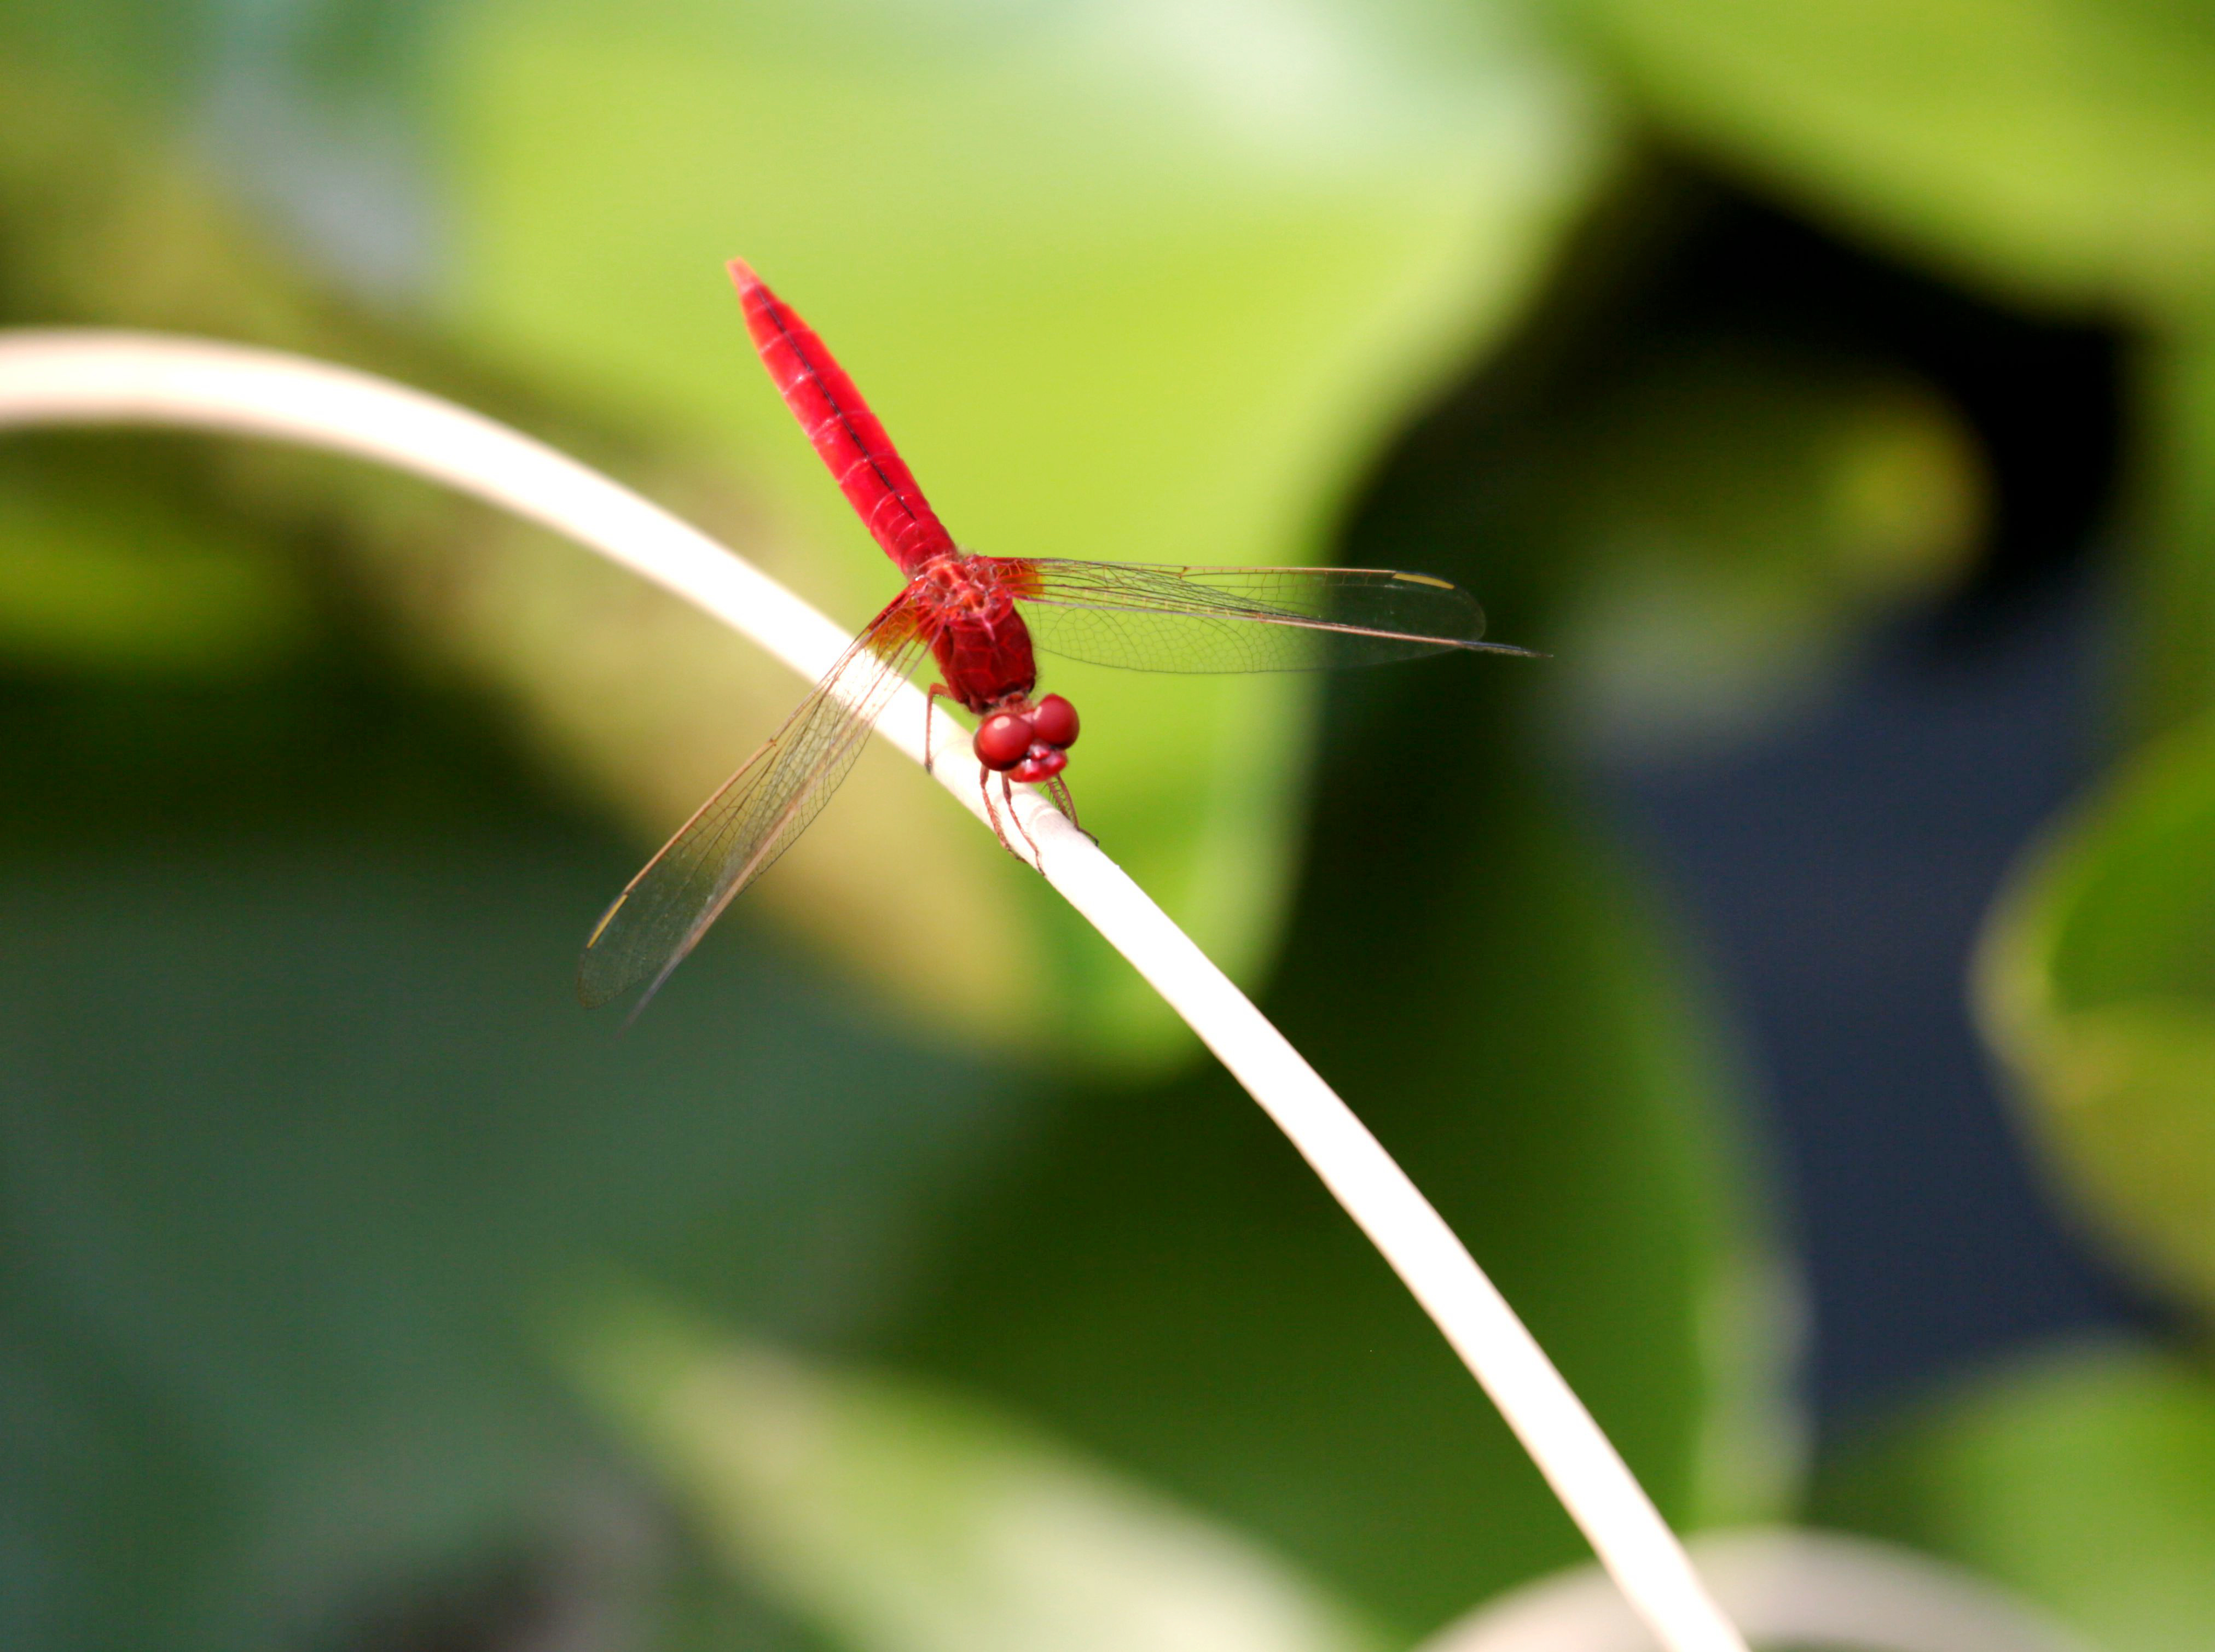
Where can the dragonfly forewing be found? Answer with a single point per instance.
(738, 833)
(1164, 617)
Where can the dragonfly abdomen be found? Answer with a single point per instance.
(847, 436)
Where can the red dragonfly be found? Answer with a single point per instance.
(980, 617)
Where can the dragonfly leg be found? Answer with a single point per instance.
(1037, 862)
(992, 810)
(1057, 789)
(929, 704)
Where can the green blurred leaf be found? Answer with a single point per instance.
(103, 565)
(2085, 1481)
(300, 1115)
(2098, 990)
(2057, 149)
(1149, 283)
(2171, 570)
(902, 1519)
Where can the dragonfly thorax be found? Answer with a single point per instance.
(982, 645)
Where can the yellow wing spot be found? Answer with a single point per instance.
(1426, 579)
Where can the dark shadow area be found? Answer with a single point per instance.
(1839, 874)
(1838, 868)
(2044, 396)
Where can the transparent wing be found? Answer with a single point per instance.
(1161, 617)
(752, 819)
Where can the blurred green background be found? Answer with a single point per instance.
(1831, 388)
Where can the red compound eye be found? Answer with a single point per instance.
(1054, 721)
(1003, 739)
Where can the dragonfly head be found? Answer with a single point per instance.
(1029, 743)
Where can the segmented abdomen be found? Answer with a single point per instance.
(869, 470)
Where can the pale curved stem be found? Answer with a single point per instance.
(1784, 1586)
(70, 377)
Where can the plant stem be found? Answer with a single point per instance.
(71, 377)
(1789, 1588)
